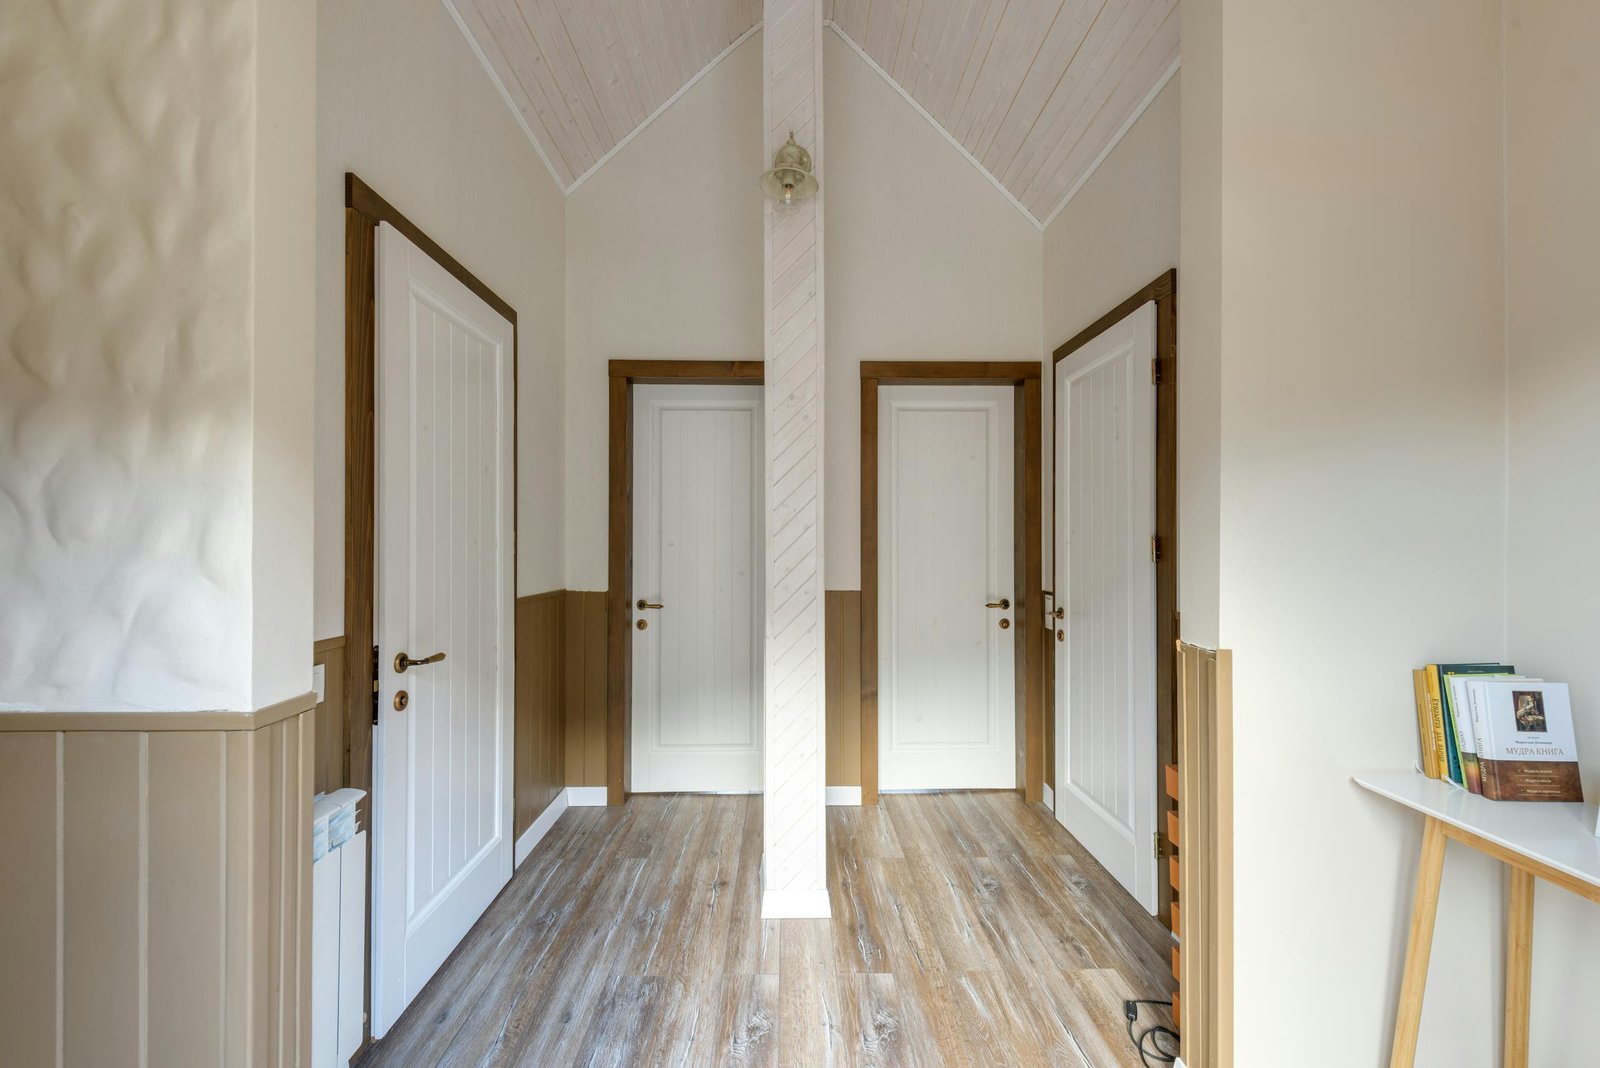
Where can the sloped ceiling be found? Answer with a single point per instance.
(1035, 92)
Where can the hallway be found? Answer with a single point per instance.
(968, 928)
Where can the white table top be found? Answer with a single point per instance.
(1559, 835)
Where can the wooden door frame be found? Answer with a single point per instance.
(1164, 293)
(364, 209)
(1027, 536)
(624, 375)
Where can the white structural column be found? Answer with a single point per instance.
(794, 836)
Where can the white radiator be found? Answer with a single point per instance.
(338, 963)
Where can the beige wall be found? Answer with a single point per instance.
(1117, 234)
(403, 102)
(1360, 387)
(1553, 366)
(663, 262)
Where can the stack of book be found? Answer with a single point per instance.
(1489, 730)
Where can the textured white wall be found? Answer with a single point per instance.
(1553, 357)
(403, 102)
(1361, 492)
(284, 366)
(125, 366)
(1117, 234)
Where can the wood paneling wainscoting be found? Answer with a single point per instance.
(328, 765)
(156, 886)
(539, 736)
(843, 645)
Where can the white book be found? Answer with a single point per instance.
(1527, 747)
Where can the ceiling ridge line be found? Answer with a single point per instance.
(505, 94)
(1122, 131)
(665, 104)
(936, 124)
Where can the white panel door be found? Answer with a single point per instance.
(442, 789)
(697, 687)
(1105, 515)
(946, 699)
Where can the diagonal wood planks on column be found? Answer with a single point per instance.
(794, 835)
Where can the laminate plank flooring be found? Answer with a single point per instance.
(967, 929)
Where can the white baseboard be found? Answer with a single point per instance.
(586, 796)
(844, 795)
(539, 828)
(1049, 798)
(795, 905)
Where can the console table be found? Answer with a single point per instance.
(1555, 842)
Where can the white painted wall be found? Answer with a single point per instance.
(403, 102)
(1117, 234)
(152, 178)
(1359, 379)
(925, 260)
(664, 248)
(1553, 439)
(937, 266)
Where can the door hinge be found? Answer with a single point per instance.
(1155, 371)
(374, 685)
(1155, 548)
(1155, 845)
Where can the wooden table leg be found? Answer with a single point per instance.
(1519, 967)
(1419, 946)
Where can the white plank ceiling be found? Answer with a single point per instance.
(1035, 91)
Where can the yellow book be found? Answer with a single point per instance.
(1441, 755)
(1430, 752)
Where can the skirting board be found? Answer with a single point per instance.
(539, 828)
(844, 795)
(795, 905)
(586, 796)
(1049, 797)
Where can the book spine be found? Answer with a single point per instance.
(1480, 731)
(1443, 742)
(1466, 737)
(1430, 759)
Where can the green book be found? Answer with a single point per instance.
(1462, 754)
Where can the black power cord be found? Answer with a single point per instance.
(1148, 1042)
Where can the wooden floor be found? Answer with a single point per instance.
(968, 929)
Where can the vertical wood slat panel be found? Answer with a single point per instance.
(329, 765)
(102, 895)
(30, 918)
(187, 866)
(157, 895)
(540, 713)
(843, 638)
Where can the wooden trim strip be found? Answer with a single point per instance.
(947, 372)
(1165, 286)
(687, 372)
(327, 645)
(265, 716)
(359, 197)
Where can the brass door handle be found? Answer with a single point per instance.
(1004, 602)
(642, 604)
(1059, 613)
(402, 661)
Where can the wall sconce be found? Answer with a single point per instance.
(790, 180)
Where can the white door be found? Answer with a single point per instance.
(697, 588)
(1105, 515)
(442, 788)
(946, 650)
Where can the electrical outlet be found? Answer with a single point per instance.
(319, 682)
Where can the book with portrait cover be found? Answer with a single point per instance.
(1526, 745)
